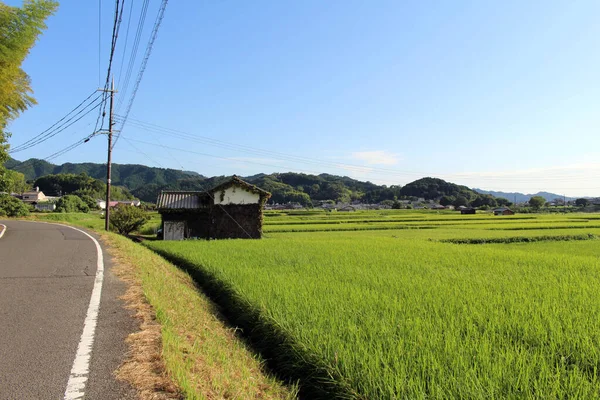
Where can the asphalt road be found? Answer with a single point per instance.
(47, 274)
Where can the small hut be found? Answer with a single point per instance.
(503, 211)
(231, 210)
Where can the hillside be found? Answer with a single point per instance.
(434, 188)
(523, 198)
(146, 183)
(132, 176)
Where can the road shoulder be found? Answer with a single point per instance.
(115, 324)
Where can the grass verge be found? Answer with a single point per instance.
(290, 358)
(184, 349)
(201, 354)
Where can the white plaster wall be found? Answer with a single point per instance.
(236, 195)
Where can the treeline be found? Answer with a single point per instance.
(145, 183)
(80, 185)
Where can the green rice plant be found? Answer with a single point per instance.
(522, 239)
(388, 314)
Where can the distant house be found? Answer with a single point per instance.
(467, 210)
(47, 206)
(347, 208)
(438, 207)
(231, 210)
(503, 211)
(33, 197)
(102, 203)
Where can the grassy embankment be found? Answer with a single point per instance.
(201, 353)
(401, 314)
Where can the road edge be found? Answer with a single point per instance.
(81, 365)
(3, 230)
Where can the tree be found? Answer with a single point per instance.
(484, 200)
(20, 30)
(502, 202)
(126, 219)
(537, 201)
(13, 182)
(461, 201)
(12, 207)
(89, 201)
(71, 203)
(447, 200)
(582, 202)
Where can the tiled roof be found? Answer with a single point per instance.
(180, 200)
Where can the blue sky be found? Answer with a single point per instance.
(496, 95)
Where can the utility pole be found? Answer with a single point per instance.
(110, 132)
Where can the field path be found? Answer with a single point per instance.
(61, 323)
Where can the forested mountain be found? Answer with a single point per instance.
(523, 198)
(131, 176)
(80, 185)
(434, 188)
(146, 183)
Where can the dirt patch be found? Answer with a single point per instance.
(144, 368)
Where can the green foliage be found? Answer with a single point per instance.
(537, 202)
(485, 201)
(89, 201)
(12, 207)
(81, 185)
(132, 176)
(126, 219)
(434, 188)
(447, 200)
(70, 204)
(398, 314)
(12, 181)
(502, 202)
(461, 201)
(582, 202)
(20, 30)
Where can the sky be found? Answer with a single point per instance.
(493, 95)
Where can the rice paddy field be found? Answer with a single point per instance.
(415, 305)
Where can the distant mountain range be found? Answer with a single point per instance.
(522, 198)
(131, 176)
(146, 183)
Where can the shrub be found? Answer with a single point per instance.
(12, 207)
(89, 201)
(126, 219)
(71, 203)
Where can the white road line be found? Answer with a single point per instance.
(3, 230)
(81, 365)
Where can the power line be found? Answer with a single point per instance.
(157, 22)
(349, 167)
(99, 41)
(42, 138)
(59, 121)
(134, 51)
(143, 153)
(115, 36)
(67, 149)
(126, 41)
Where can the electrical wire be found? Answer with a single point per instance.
(153, 35)
(57, 122)
(134, 52)
(41, 139)
(398, 174)
(126, 41)
(115, 36)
